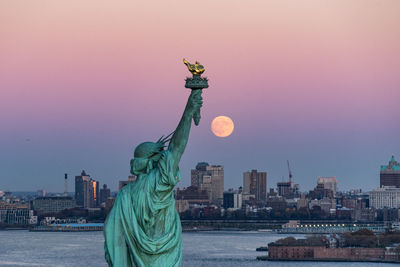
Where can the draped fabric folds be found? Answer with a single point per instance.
(143, 228)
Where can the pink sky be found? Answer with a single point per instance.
(294, 74)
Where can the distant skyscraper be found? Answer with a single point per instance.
(284, 189)
(232, 199)
(328, 183)
(66, 184)
(390, 174)
(79, 188)
(196, 175)
(104, 194)
(321, 192)
(246, 182)
(211, 179)
(86, 191)
(255, 183)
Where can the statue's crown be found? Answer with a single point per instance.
(149, 149)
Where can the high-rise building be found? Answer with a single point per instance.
(196, 175)
(390, 174)
(232, 199)
(211, 179)
(385, 197)
(86, 191)
(104, 194)
(246, 182)
(255, 183)
(66, 184)
(284, 189)
(79, 188)
(328, 183)
(321, 192)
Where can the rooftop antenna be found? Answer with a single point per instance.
(290, 172)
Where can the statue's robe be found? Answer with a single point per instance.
(143, 228)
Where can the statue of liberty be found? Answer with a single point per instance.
(143, 228)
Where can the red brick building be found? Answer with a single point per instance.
(282, 252)
(291, 252)
(349, 253)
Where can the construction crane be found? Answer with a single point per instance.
(290, 172)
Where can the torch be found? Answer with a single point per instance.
(196, 82)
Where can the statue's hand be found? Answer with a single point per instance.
(195, 102)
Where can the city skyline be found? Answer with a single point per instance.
(194, 180)
(316, 84)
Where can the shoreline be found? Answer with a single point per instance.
(183, 230)
(265, 258)
(13, 229)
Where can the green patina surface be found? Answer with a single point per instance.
(393, 165)
(385, 168)
(143, 228)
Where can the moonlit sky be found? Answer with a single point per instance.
(83, 82)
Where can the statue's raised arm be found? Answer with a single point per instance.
(192, 110)
(181, 135)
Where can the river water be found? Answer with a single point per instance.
(216, 248)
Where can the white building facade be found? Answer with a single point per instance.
(385, 197)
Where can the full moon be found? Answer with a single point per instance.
(222, 126)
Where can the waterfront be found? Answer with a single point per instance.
(200, 249)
